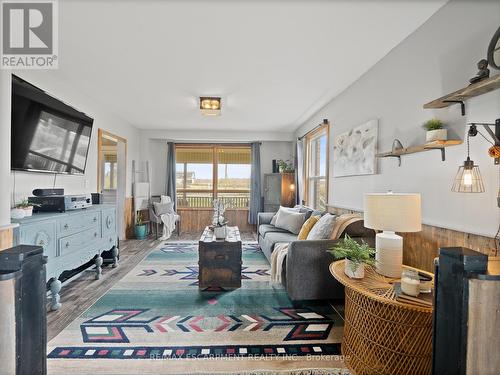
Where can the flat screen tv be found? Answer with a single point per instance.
(47, 134)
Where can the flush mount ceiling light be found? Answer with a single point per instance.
(210, 105)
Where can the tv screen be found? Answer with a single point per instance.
(47, 134)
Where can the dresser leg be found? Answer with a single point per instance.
(98, 263)
(115, 251)
(55, 288)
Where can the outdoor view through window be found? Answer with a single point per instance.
(206, 172)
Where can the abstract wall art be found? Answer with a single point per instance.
(354, 151)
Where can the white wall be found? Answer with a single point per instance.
(437, 59)
(51, 82)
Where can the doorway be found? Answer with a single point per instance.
(112, 174)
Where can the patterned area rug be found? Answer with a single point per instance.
(156, 321)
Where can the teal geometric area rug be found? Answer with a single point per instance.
(156, 321)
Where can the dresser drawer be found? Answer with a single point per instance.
(40, 234)
(76, 223)
(80, 241)
(108, 222)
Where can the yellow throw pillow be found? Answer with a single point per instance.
(307, 226)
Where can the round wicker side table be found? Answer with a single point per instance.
(383, 335)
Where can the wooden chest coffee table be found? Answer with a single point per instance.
(220, 260)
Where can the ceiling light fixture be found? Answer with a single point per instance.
(210, 105)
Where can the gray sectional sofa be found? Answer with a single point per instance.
(306, 275)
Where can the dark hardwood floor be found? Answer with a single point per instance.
(81, 292)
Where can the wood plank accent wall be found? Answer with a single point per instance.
(420, 248)
(129, 217)
(195, 220)
(6, 238)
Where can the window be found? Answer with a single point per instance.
(317, 168)
(110, 172)
(206, 172)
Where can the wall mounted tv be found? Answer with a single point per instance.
(47, 134)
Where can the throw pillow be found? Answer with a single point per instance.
(323, 228)
(165, 199)
(275, 217)
(305, 210)
(307, 226)
(163, 208)
(290, 221)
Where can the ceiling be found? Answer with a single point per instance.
(274, 63)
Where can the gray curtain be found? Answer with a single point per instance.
(255, 185)
(170, 185)
(299, 172)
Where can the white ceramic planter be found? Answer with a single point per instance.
(28, 211)
(220, 232)
(17, 213)
(359, 269)
(436, 135)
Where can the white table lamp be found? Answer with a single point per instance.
(391, 213)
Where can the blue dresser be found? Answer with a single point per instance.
(70, 239)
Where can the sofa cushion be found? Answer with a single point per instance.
(275, 237)
(323, 228)
(290, 221)
(307, 226)
(305, 210)
(288, 209)
(268, 228)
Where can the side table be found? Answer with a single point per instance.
(383, 335)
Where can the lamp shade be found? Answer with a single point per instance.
(393, 212)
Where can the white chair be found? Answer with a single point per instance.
(156, 219)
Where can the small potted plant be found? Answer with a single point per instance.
(26, 206)
(356, 256)
(285, 166)
(140, 227)
(435, 130)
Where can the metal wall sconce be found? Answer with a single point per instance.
(468, 178)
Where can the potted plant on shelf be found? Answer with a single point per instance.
(140, 227)
(435, 130)
(356, 256)
(26, 206)
(285, 166)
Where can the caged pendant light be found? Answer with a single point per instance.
(468, 178)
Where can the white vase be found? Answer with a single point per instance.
(220, 232)
(354, 270)
(17, 213)
(28, 211)
(436, 135)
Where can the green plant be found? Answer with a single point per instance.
(139, 221)
(433, 124)
(285, 166)
(356, 252)
(24, 204)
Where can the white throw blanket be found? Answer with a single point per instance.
(169, 221)
(277, 257)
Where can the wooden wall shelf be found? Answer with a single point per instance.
(436, 145)
(468, 92)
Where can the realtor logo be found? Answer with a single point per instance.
(29, 34)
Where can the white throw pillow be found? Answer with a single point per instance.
(275, 217)
(165, 199)
(323, 228)
(164, 208)
(290, 221)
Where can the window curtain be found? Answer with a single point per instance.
(255, 185)
(299, 172)
(170, 185)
